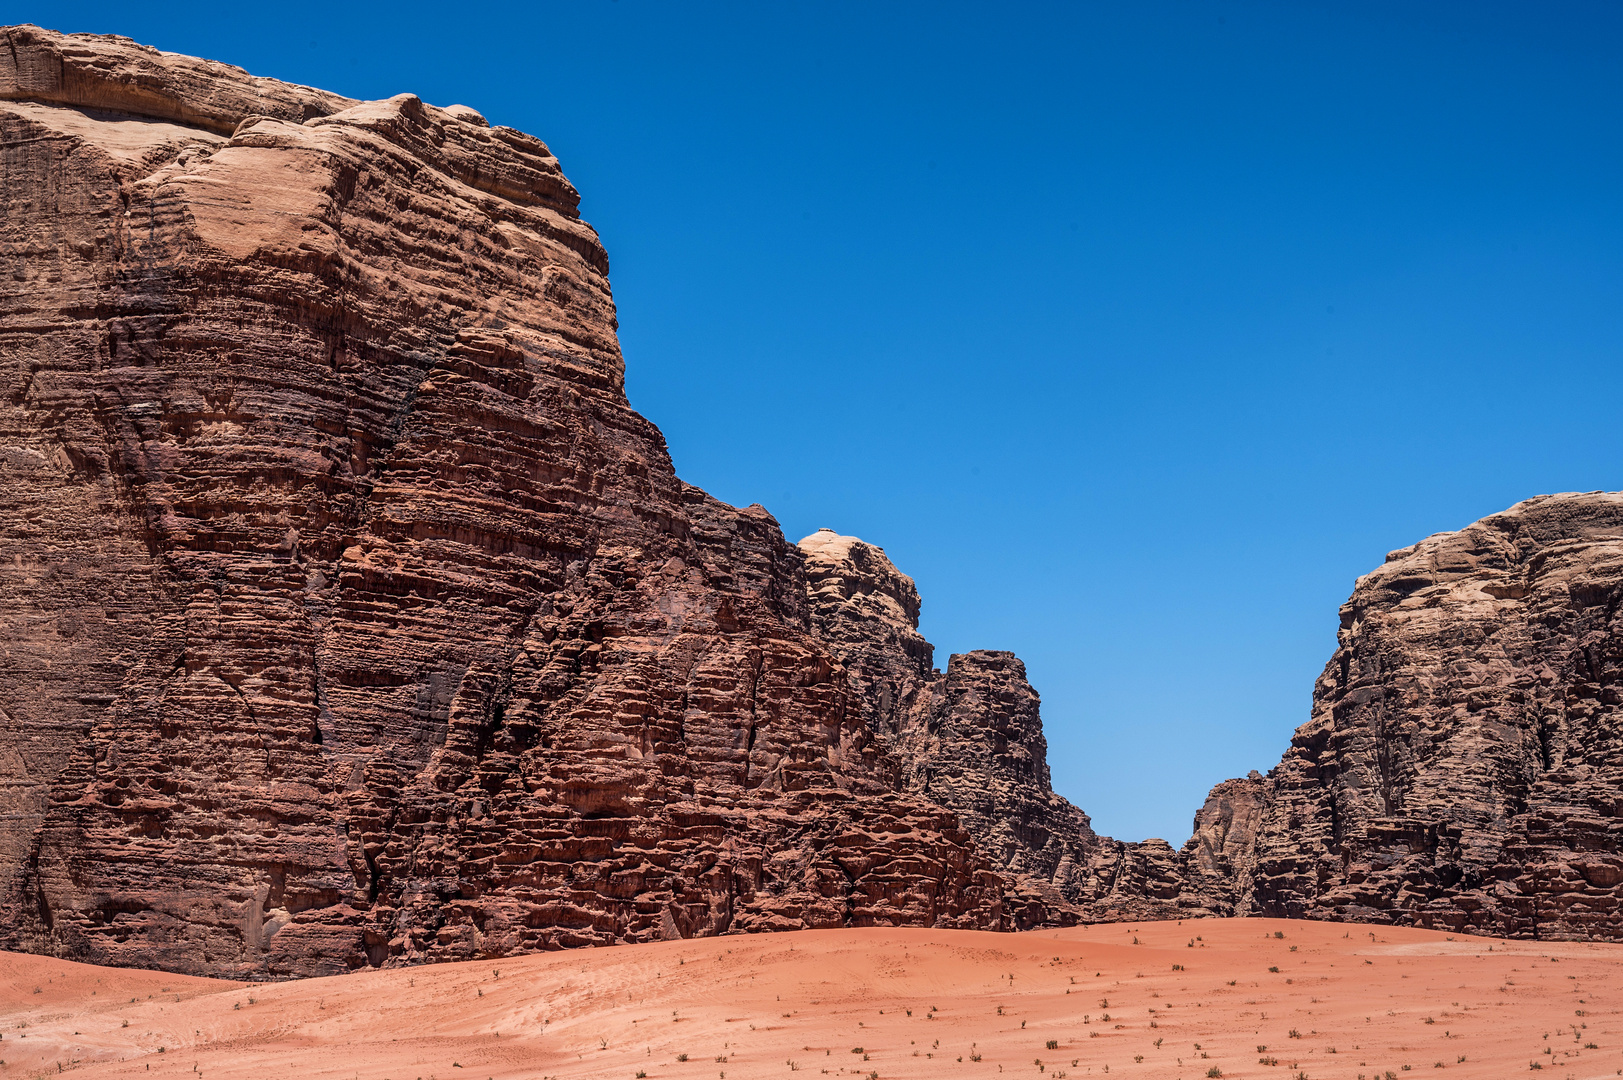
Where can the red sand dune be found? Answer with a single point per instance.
(1200, 998)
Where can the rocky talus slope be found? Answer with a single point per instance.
(1463, 766)
(350, 615)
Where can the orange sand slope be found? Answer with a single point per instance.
(1202, 998)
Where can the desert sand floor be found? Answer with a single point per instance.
(1202, 998)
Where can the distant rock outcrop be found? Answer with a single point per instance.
(1218, 861)
(971, 739)
(1463, 767)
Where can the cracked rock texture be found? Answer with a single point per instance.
(1463, 766)
(350, 615)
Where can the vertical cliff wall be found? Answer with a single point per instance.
(350, 614)
(1463, 766)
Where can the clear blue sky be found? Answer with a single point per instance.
(1133, 331)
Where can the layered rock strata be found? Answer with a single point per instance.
(1463, 766)
(351, 617)
(350, 614)
(971, 739)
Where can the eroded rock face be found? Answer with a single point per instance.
(1463, 766)
(351, 615)
(971, 739)
(1218, 861)
(867, 611)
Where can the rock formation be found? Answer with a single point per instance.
(1463, 766)
(1216, 865)
(971, 739)
(350, 614)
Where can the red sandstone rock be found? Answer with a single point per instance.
(1462, 766)
(971, 739)
(351, 615)
(1219, 859)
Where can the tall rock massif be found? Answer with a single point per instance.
(1463, 766)
(350, 615)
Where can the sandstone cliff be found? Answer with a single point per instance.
(1463, 766)
(350, 614)
(971, 739)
